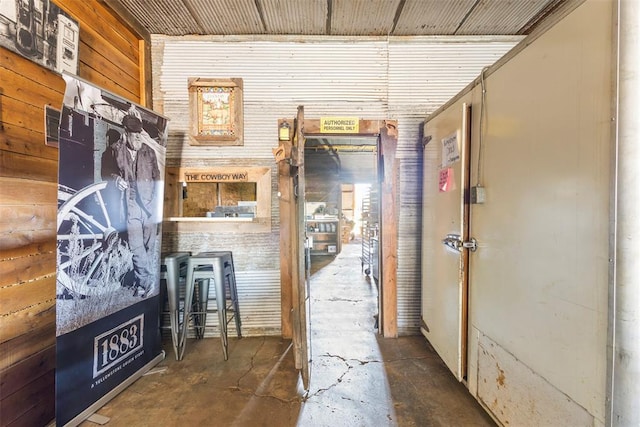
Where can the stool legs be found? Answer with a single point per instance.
(173, 276)
(199, 307)
(188, 301)
(218, 274)
(230, 276)
(202, 268)
(173, 263)
(199, 316)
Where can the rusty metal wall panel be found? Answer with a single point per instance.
(338, 17)
(302, 17)
(501, 17)
(358, 17)
(163, 17)
(227, 17)
(432, 18)
(518, 395)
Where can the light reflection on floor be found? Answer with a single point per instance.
(348, 383)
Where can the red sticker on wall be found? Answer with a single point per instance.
(447, 180)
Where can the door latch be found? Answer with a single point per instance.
(472, 244)
(455, 242)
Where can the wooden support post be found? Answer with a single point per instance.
(285, 194)
(389, 232)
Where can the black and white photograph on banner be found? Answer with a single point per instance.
(110, 196)
(110, 204)
(40, 31)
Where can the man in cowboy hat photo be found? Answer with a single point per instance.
(132, 167)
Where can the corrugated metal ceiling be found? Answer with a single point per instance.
(337, 17)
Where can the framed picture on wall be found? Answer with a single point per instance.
(41, 32)
(216, 111)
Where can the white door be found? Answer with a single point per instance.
(444, 230)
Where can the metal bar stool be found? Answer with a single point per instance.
(231, 288)
(174, 266)
(202, 268)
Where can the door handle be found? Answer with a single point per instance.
(453, 241)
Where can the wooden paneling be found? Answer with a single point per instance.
(30, 85)
(17, 191)
(27, 167)
(20, 140)
(22, 296)
(113, 35)
(110, 57)
(29, 250)
(16, 64)
(26, 345)
(21, 269)
(33, 367)
(21, 405)
(23, 323)
(32, 217)
(21, 114)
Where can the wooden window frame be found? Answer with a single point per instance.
(175, 177)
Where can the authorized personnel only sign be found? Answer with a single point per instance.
(339, 125)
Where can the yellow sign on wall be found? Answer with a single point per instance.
(339, 125)
(217, 176)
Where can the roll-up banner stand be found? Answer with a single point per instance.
(110, 195)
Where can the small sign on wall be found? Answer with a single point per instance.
(339, 125)
(450, 150)
(217, 176)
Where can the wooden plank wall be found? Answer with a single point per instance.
(111, 55)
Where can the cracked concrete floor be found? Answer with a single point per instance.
(357, 377)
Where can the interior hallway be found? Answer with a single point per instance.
(357, 378)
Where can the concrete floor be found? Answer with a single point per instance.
(357, 377)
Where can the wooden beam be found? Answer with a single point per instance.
(294, 254)
(388, 232)
(285, 190)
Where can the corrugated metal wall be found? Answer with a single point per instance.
(373, 78)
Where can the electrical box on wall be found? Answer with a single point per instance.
(477, 195)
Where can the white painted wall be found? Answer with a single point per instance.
(539, 279)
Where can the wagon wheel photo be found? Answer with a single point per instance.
(92, 257)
